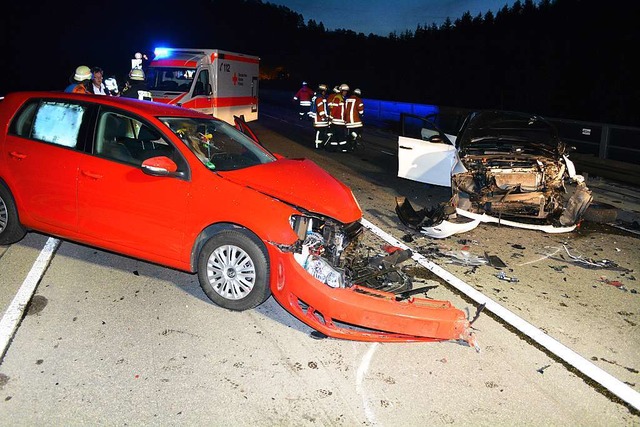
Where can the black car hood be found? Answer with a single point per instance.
(513, 134)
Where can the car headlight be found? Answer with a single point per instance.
(321, 270)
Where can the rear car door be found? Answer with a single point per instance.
(44, 148)
(132, 211)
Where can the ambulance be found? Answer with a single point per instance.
(216, 82)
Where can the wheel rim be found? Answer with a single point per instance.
(4, 216)
(231, 272)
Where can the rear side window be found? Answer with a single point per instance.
(57, 122)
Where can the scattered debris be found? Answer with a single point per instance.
(465, 258)
(542, 369)
(517, 246)
(495, 261)
(502, 276)
(591, 263)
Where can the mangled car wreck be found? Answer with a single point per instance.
(503, 167)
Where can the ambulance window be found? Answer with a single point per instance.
(202, 86)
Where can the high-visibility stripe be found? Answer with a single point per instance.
(228, 57)
(174, 63)
(230, 101)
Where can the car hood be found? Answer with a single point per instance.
(513, 134)
(302, 183)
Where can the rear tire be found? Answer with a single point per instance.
(11, 230)
(233, 270)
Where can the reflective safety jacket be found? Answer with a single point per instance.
(336, 109)
(321, 118)
(304, 96)
(353, 111)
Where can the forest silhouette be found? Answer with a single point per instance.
(569, 59)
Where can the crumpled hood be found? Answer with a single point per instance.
(302, 183)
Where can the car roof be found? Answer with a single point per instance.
(145, 108)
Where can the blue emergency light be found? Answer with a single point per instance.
(162, 52)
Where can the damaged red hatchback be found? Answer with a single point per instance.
(185, 190)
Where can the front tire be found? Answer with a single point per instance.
(233, 270)
(11, 230)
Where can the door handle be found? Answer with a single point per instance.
(17, 155)
(91, 174)
(405, 147)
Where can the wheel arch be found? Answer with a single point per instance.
(214, 229)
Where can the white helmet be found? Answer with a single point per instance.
(357, 92)
(136, 74)
(322, 87)
(82, 73)
(336, 90)
(344, 87)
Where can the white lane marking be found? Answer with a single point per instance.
(12, 317)
(592, 371)
(362, 371)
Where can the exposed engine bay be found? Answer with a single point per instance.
(504, 167)
(335, 254)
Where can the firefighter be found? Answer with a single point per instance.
(321, 118)
(353, 112)
(303, 98)
(80, 80)
(136, 87)
(336, 111)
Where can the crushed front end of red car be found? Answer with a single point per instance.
(331, 285)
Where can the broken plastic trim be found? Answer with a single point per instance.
(547, 228)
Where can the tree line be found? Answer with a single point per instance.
(572, 59)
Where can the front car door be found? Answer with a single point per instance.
(134, 212)
(425, 154)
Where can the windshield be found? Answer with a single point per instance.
(169, 78)
(218, 145)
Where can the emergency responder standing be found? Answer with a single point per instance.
(136, 87)
(80, 80)
(303, 98)
(336, 111)
(321, 118)
(353, 111)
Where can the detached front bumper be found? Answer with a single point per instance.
(363, 314)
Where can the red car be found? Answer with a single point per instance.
(185, 190)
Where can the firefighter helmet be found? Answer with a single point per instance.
(344, 87)
(82, 73)
(336, 90)
(322, 87)
(136, 74)
(357, 92)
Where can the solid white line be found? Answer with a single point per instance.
(12, 317)
(362, 371)
(603, 378)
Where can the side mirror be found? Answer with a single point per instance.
(159, 166)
